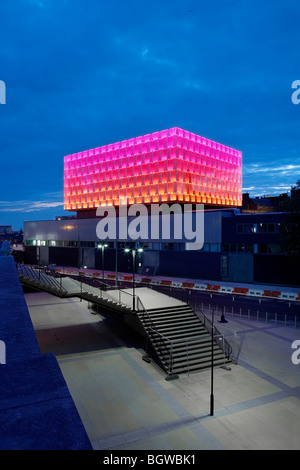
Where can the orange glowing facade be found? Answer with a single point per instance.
(173, 165)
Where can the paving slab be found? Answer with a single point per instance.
(126, 403)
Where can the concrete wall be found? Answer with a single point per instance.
(239, 267)
(186, 264)
(37, 410)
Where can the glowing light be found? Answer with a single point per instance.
(166, 166)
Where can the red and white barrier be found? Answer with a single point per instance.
(205, 287)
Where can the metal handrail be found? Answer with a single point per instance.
(40, 277)
(226, 347)
(104, 294)
(171, 359)
(153, 328)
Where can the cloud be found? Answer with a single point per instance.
(282, 169)
(86, 74)
(27, 206)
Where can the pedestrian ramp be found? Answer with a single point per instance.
(177, 339)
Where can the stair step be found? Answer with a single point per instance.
(168, 331)
(192, 348)
(180, 348)
(195, 352)
(194, 360)
(178, 324)
(170, 314)
(183, 335)
(163, 311)
(197, 360)
(177, 340)
(172, 324)
(170, 307)
(198, 367)
(180, 362)
(170, 318)
(199, 336)
(205, 342)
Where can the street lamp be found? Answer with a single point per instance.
(116, 266)
(212, 366)
(133, 252)
(102, 246)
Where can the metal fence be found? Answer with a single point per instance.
(257, 315)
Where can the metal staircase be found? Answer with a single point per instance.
(181, 341)
(38, 279)
(68, 287)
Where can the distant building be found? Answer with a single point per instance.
(173, 165)
(5, 229)
(238, 247)
(264, 203)
(242, 239)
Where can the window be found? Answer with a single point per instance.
(262, 248)
(245, 248)
(268, 228)
(30, 242)
(70, 243)
(271, 227)
(273, 248)
(229, 247)
(85, 244)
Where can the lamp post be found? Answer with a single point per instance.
(133, 252)
(212, 365)
(116, 278)
(102, 246)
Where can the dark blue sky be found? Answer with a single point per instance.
(81, 74)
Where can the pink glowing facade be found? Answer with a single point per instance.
(167, 166)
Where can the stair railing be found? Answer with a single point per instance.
(187, 342)
(219, 337)
(101, 292)
(166, 345)
(164, 340)
(40, 277)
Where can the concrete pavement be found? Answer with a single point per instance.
(126, 404)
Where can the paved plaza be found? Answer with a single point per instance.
(126, 403)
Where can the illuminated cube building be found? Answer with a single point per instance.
(172, 165)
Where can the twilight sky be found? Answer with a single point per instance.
(84, 73)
